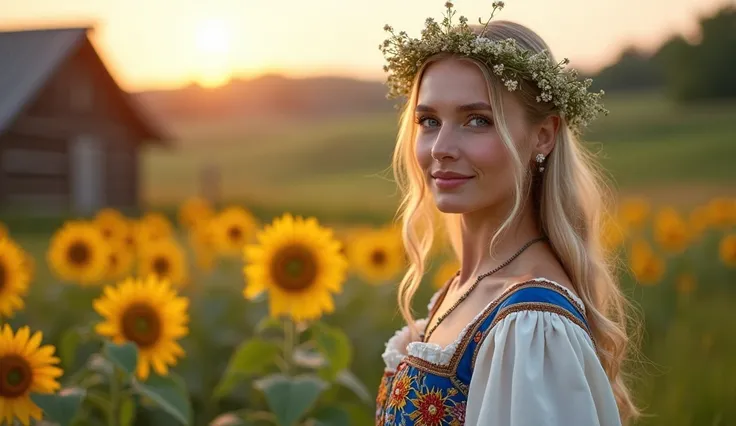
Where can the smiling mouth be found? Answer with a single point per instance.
(450, 182)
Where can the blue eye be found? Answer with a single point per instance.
(428, 122)
(479, 121)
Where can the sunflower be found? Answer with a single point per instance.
(722, 212)
(153, 226)
(25, 367)
(130, 237)
(299, 263)
(232, 229)
(195, 210)
(727, 250)
(148, 313)
(648, 268)
(378, 255)
(671, 231)
(78, 252)
(164, 259)
(202, 243)
(634, 212)
(112, 224)
(13, 278)
(612, 233)
(119, 261)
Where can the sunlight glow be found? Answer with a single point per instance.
(213, 52)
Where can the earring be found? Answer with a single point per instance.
(540, 159)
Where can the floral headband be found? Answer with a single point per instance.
(505, 58)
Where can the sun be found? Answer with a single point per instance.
(212, 39)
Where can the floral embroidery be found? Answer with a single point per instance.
(457, 414)
(400, 391)
(382, 397)
(477, 337)
(431, 407)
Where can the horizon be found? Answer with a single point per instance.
(176, 44)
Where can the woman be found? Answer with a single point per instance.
(531, 330)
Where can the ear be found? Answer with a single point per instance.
(546, 133)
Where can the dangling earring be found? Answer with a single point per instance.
(540, 160)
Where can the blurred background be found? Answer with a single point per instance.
(140, 106)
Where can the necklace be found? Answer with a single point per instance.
(442, 317)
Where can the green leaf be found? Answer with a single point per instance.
(68, 348)
(168, 393)
(351, 381)
(124, 356)
(335, 346)
(267, 323)
(227, 384)
(127, 411)
(60, 408)
(252, 357)
(290, 398)
(332, 416)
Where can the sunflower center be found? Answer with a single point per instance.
(378, 257)
(2, 276)
(161, 266)
(113, 260)
(235, 233)
(79, 253)
(141, 325)
(107, 233)
(15, 376)
(294, 268)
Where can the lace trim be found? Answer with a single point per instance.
(394, 354)
(436, 354)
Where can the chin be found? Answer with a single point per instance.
(452, 203)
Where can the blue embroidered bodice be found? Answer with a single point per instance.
(423, 393)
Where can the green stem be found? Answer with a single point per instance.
(112, 417)
(289, 344)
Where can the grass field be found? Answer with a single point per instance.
(648, 145)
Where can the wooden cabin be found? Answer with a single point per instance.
(70, 137)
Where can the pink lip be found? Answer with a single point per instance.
(450, 183)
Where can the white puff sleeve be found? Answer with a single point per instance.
(538, 368)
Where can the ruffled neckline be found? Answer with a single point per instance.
(401, 345)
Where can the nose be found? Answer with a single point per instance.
(444, 147)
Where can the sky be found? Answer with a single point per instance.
(149, 44)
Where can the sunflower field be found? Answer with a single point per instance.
(219, 317)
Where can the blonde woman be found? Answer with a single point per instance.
(532, 329)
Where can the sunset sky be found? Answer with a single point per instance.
(166, 43)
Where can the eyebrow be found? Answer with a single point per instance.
(475, 106)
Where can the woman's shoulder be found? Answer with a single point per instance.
(533, 303)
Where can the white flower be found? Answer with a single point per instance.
(498, 4)
(511, 85)
(498, 69)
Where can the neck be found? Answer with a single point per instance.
(477, 230)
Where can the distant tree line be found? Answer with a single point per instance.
(687, 72)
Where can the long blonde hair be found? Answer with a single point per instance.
(569, 199)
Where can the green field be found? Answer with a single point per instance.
(649, 145)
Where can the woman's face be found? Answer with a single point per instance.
(465, 163)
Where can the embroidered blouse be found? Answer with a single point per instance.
(527, 359)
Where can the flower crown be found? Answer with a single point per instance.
(509, 61)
